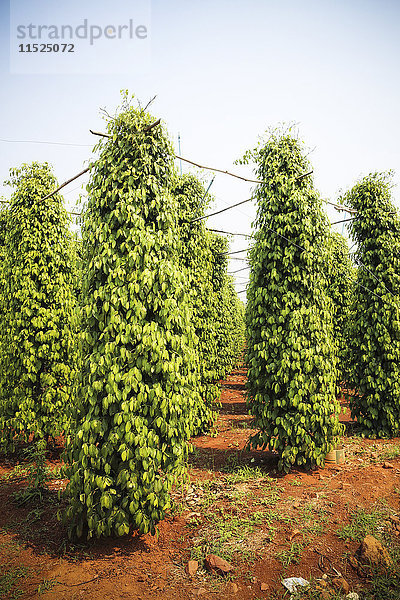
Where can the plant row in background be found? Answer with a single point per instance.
(112, 343)
(218, 315)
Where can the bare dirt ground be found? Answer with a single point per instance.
(268, 526)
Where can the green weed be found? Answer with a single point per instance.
(361, 524)
(291, 555)
(10, 579)
(390, 452)
(243, 473)
(297, 482)
(18, 472)
(37, 474)
(385, 584)
(46, 585)
(229, 536)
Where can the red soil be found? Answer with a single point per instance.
(145, 568)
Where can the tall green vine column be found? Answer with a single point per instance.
(138, 389)
(37, 337)
(197, 259)
(236, 308)
(375, 326)
(3, 230)
(229, 323)
(291, 353)
(217, 312)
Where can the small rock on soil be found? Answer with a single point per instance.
(372, 552)
(192, 567)
(215, 563)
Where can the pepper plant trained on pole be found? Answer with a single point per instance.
(37, 335)
(291, 352)
(229, 322)
(217, 311)
(341, 287)
(3, 231)
(197, 260)
(138, 388)
(3, 228)
(374, 346)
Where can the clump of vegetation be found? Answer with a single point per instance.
(341, 286)
(374, 340)
(291, 352)
(37, 474)
(37, 300)
(138, 389)
(362, 523)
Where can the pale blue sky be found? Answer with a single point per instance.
(223, 72)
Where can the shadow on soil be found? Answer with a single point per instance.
(233, 408)
(238, 387)
(35, 525)
(219, 459)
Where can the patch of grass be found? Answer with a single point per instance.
(18, 472)
(361, 524)
(10, 579)
(8, 544)
(46, 585)
(233, 527)
(385, 585)
(211, 493)
(269, 500)
(390, 452)
(34, 515)
(177, 508)
(314, 518)
(272, 492)
(297, 482)
(230, 536)
(243, 473)
(291, 555)
(240, 425)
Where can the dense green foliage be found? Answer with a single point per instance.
(229, 311)
(217, 311)
(341, 277)
(375, 324)
(197, 259)
(138, 385)
(3, 226)
(291, 352)
(233, 346)
(3, 230)
(37, 340)
(77, 257)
